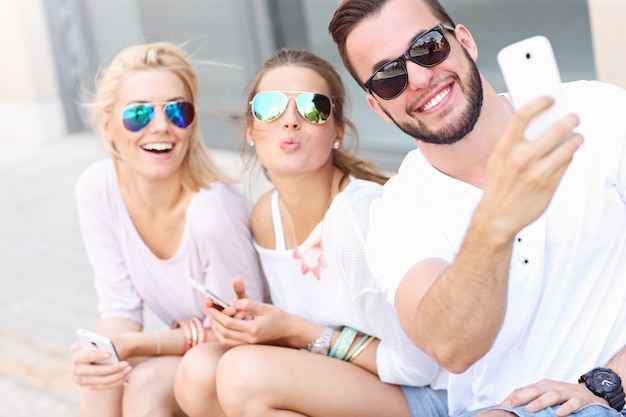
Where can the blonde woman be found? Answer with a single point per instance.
(154, 215)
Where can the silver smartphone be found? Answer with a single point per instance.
(93, 341)
(530, 70)
(218, 302)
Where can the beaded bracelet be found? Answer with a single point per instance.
(343, 343)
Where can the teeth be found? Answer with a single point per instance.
(157, 147)
(436, 100)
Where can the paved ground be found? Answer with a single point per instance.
(20, 399)
(45, 278)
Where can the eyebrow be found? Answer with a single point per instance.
(382, 62)
(170, 100)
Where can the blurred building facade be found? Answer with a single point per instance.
(52, 50)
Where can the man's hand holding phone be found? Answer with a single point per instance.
(530, 70)
(537, 146)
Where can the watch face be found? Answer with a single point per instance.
(319, 348)
(604, 380)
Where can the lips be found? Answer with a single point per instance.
(438, 98)
(289, 144)
(158, 147)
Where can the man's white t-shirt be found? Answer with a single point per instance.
(566, 309)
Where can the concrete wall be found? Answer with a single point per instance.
(609, 37)
(30, 106)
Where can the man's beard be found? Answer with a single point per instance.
(458, 128)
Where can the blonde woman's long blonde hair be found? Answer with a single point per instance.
(198, 168)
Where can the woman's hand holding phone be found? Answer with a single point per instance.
(213, 301)
(95, 363)
(270, 325)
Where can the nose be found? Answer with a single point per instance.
(419, 77)
(160, 122)
(291, 119)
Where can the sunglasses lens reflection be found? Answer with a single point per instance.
(181, 113)
(314, 107)
(428, 50)
(270, 105)
(137, 116)
(390, 80)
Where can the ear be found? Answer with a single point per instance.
(375, 105)
(339, 133)
(466, 40)
(104, 122)
(249, 137)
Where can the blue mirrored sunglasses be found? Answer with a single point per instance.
(137, 116)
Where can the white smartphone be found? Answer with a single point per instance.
(93, 341)
(218, 302)
(530, 70)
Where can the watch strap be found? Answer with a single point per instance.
(616, 399)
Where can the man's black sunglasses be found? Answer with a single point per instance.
(427, 50)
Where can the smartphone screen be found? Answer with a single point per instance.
(530, 70)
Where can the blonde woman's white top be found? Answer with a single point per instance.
(216, 246)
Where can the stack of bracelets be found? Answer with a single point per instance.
(195, 333)
(346, 338)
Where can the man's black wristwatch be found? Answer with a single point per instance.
(605, 383)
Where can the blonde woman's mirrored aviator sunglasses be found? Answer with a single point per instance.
(138, 115)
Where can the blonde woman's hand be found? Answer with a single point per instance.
(86, 373)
